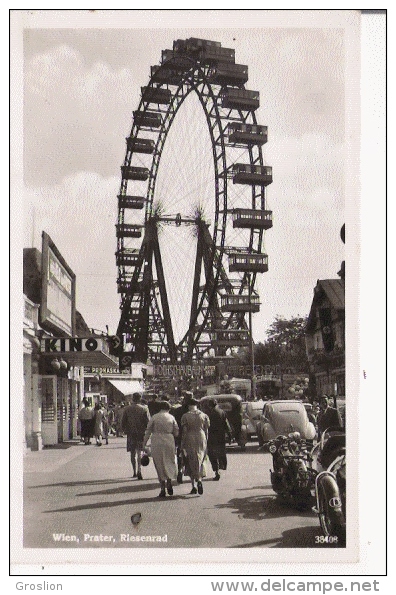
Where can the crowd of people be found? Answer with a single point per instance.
(181, 440)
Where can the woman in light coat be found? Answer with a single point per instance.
(195, 425)
(163, 429)
(98, 419)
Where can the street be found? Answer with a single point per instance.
(84, 496)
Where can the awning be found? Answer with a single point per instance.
(126, 386)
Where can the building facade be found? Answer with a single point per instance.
(58, 347)
(325, 337)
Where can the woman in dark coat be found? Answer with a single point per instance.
(219, 430)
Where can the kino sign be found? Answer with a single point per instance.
(72, 344)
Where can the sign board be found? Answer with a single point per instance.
(72, 344)
(58, 290)
(179, 370)
(102, 370)
(79, 351)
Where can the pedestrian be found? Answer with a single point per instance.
(98, 424)
(195, 425)
(85, 415)
(328, 417)
(111, 420)
(134, 423)
(163, 430)
(153, 404)
(178, 411)
(105, 422)
(118, 419)
(218, 433)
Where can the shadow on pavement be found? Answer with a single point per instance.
(131, 489)
(292, 538)
(303, 537)
(268, 487)
(62, 445)
(131, 502)
(260, 508)
(92, 482)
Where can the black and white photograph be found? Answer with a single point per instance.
(188, 204)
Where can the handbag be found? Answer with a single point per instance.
(144, 460)
(145, 456)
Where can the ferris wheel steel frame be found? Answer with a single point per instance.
(145, 324)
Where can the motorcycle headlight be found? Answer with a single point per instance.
(272, 448)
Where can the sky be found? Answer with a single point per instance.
(81, 86)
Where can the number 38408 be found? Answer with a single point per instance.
(326, 539)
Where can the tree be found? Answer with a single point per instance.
(287, 338)
(285, 344)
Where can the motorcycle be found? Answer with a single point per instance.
(293, 477)
(330, 485)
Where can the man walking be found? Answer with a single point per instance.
(85, 416)
(118, 419)
(154, 405)
(219, 429)
(134, 423)
(328, 417)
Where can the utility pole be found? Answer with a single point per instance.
(253, 378)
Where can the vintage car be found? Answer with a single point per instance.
(231, 404)
(251, 411)
(282, 418)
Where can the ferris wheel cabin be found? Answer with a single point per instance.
(213, 55)
(135, 173)
(230, 338)
(170, 59)
(229, 74)
(194, 44)
(241, 99)
(126, 230)
(244, 173)
(247, 134)
(156, 95)
(252, 219)
(243, 262)
(130, 202)
(167, 74)
(147, 119)
(240, 303)
(127, 257)
(140, 145)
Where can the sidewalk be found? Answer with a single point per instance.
(81, 496)
(51, 458)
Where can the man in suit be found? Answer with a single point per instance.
(329, 417)
(134, 423)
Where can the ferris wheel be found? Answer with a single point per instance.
(192, 208)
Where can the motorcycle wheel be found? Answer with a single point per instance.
(332, 521)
